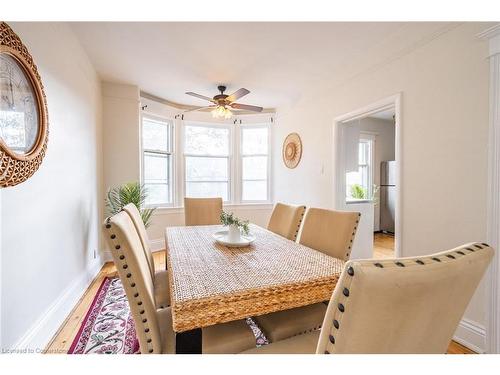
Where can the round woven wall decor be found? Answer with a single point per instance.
(292, 150)
(24, 124)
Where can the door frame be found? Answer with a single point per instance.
(393, 101)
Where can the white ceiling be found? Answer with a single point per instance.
(275, 61)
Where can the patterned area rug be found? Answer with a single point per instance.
(108, 327)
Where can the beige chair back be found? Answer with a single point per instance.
(285, 220)
(331, 232)
(135, 215)
(202, 211)
(406, 305)
(134, 272)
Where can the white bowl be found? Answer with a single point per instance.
(222, 237)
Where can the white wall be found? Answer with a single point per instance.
(50, 223)
(121, 159)
(444, 86)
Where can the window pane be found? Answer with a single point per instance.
(255, 167)
(206, 169)
(202, 140)
(157, 194)
(156, 167)
(207, 190)
(155, 135)
(254, 190)
(254, 141)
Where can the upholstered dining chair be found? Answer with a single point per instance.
(331, 232)
(160, 278)
(285, 220)
(202, 211)
(405, 305)
(154, 326)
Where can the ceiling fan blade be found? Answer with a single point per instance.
(237, 94)
(199, 96)
(198, 108)
(246, 107)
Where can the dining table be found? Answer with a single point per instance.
(211, 283)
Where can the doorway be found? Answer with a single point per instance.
(367, 160)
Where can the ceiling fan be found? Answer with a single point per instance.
(222, 103)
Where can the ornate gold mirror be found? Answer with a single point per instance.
(23, 111)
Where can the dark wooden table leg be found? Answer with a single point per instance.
(189, 342)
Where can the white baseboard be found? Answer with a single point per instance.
(41, 332)
(471, 335)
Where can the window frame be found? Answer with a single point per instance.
(171, 157)
(240, 157)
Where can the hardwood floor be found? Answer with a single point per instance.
(66, 334)
(383, 246)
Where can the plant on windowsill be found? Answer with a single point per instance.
(236, 225)
(132, 192)
(359, 192)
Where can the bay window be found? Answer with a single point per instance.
(213, 159)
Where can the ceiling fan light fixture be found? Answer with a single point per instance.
(222, 112)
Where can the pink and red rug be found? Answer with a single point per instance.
(108, 327)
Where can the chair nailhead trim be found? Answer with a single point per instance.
(341, 307)
(400, 264)
(141, 312)
(450, 256)
(151, 350)
(136, 295)
(108, 226)
(122, 257)
(350, 271)
(144, 320)
(146, 330)
(436, 259)
(129, 274)
(327, 352)
(125, 266)
(149, 340)
(132, 285)
(379, 265)
(117, 247)
(460, 252)
(336, 323)
(419, 262)
(113, 236)
(346, 292)
(332, 339)
(139, 303)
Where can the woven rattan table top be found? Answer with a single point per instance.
(211, 283)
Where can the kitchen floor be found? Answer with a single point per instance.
(383, 246)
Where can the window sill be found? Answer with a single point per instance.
(358, 201)
(240, 206)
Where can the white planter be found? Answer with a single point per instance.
(234, 233)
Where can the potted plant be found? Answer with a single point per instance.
(132, 192)
(235, 226)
